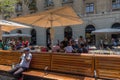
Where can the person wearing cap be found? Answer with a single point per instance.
(23, 65)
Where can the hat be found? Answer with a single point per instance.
(26, 49)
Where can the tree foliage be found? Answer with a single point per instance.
(7, 6)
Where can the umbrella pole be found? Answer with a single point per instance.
(51, 31)
(51, 35)
(0, 32)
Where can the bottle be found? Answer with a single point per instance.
(13, 65)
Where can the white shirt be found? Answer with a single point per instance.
(24, 62)
(68, 49)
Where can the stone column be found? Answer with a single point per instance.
(57, 3)
(25, 8)
(40, 5)
(101, 6)
(79, 6)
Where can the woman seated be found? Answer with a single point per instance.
(69, 48)
(61, 47)
(83, 49)
(56, 48)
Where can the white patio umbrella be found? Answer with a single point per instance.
(106, 30)
(105, 33)
(16, 35)
(9, 25)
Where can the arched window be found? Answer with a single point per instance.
(32, 6)
(6, 32)
(19, 31)
(19, 7)
(48, 39)
(68, 32)
(89, 37)
(33, 37)
(49, 3)
(116, 25)
(115, 4)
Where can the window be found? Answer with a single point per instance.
(48, 3)
(115, 4)
(67, 1)
(6, 33)
(48, 38)
(6, 15)
(68, 32)
(89, 37)
(32, 5)
(19, 14)
(116, 25)
(19, 7)
(90, 8)
(33, 37)
(19, 31)
(64, 1)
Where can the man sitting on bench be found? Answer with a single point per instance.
(23, 65)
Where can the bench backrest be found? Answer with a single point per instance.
(40, 61)
(107, 66)
(75, 64)
(9, 57)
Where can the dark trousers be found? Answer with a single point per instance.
(17, 71)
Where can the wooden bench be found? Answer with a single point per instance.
(5, 68)
(66, 66)
(82, 64)
(9, 57)
(107, 66)
(41, 60)
(56, 76)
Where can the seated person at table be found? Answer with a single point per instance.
(61, 47)
(56, 48)
(68, 48)
(75, 47)
(83, 49)
(23, 65)
(105, 43)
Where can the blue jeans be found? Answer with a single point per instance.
(17, 71)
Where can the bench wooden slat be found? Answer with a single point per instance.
(40, 61)
(9, 58)
(75, 64)
(107, 66)
(57, 76)
(5, 68)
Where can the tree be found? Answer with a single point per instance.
(7, 7)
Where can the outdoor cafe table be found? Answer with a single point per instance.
(103, 52)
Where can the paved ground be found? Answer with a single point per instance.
(5, 77)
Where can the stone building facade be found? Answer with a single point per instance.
(96, 14)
